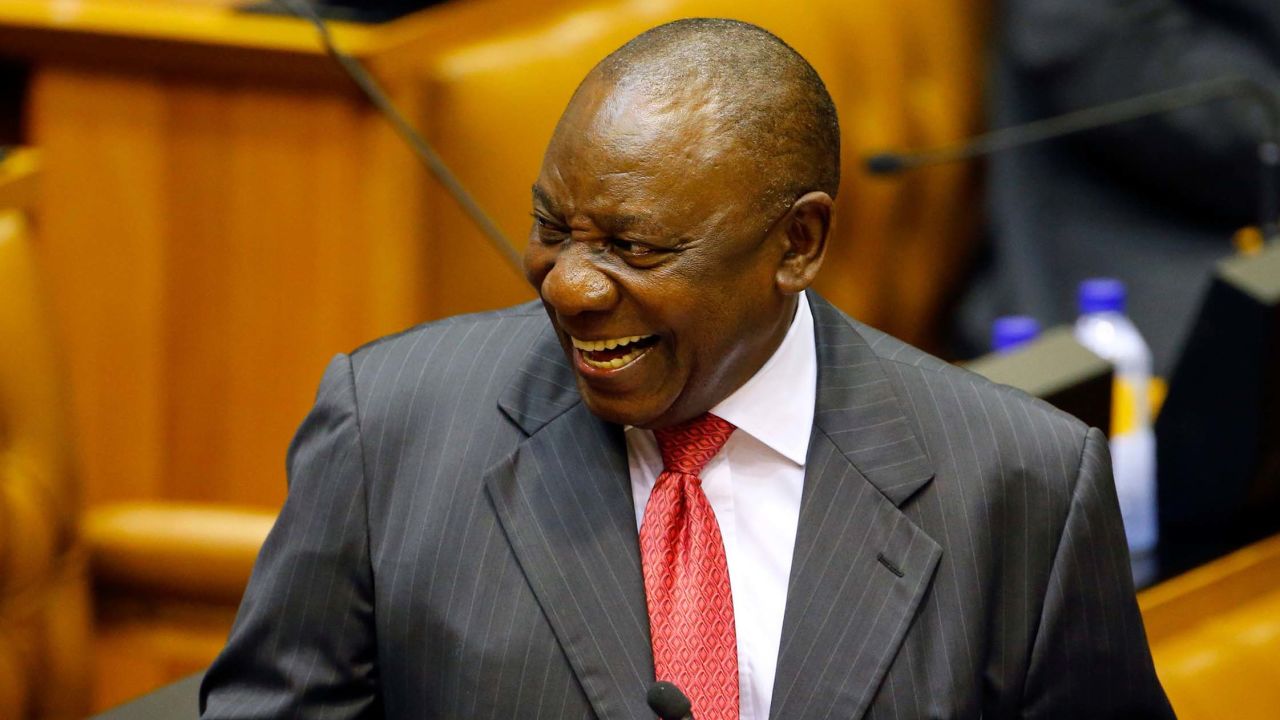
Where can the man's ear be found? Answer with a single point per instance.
(806, 236)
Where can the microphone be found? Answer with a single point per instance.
(889, 163)
(668, 702)
(427, 154)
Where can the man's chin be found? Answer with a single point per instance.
(625, 409)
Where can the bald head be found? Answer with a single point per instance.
(735, 92)
(683, 205)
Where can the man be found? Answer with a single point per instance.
(695, 472)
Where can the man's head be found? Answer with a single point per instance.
(683, 203)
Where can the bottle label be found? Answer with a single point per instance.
(1124, 416)
(1124, 404)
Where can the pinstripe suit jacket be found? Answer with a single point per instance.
(459, 542)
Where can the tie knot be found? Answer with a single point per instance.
(687, 447)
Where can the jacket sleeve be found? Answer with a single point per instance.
(303, 642)
(1090, 657)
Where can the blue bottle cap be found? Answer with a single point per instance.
(1013, 331)
(1101, 295)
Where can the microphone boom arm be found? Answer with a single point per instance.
(304, 11)
(1112, 114)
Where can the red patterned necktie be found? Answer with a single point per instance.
(686, 576)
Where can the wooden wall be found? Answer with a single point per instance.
(220, 213)
(210, 246)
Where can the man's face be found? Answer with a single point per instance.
(652, 257)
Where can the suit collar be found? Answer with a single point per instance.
(543, 388)
(563, 499)
(859, 409)
(564, 502)
(860, 567)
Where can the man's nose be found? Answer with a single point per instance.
(576, 284)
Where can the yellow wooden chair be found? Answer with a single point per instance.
(165, 578)
(44, 610)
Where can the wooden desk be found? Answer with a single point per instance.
(220, 212)
(1215, 635)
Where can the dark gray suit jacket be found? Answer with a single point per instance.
(459, 541)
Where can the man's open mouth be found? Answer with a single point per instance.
(615, 352)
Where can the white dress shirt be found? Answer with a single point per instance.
(754, 485)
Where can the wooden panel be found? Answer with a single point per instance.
(222, 213)
(102, 241)
(212, 245)
(171, 20)
(199, 36)
(933, 233)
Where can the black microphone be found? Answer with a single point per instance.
(668, 702)
(889, 163)
(427, 154)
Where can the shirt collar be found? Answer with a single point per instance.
(776, 405)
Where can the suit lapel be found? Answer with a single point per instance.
(564, 501)
(860, 567)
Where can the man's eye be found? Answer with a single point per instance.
(634, 249)
(638, 249)
(640, 254)
(548, 229)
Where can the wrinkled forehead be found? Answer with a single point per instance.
(644, 122)
(671, 142)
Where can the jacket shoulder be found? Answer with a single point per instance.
(531, 311)
(453, 368)
(910, 364)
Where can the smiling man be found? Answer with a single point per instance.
(684, 466)
(678, 218)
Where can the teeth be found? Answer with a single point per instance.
(597, 345)
(614, 363)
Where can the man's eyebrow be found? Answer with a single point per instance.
(618, 223)
(540, 197)
(623, 223)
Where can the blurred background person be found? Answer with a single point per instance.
(1153, 202)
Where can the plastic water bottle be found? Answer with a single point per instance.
(1011, 332)
(1104, 328)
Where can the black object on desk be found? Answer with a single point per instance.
(1218, 435)
(1059, 370)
